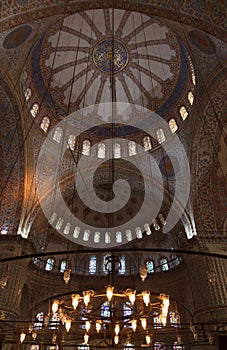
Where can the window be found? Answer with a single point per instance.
(139, 233)
(147, 143)
(67, 229)
(97, 237)
(92, 265)
(38, 322)
(83, 347)
(118, 237)
(101, 150)
(63, 266)
(117, 150)
(174, 319)
(190, 97)
(59, 224)
(147, 229)
(128, 235)
(158, 346)
(177, 346)
(106, 262)
(34, 110)
(52, 218)
(150, 266)
(71, 142)
(129, 346)
(158, 322)
(105, 310)
(164, 264)
(76, 232)
(54, 321)
(45, 123)
(27, 94)
(86, 235)
(132, 151)
(155, 225)
(183, 112)
(160, 135)
(127, 311)
(86, 148)
(122, 270)
(58, 132)
(173, 125)
(49, 264)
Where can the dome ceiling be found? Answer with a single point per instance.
(72, 63)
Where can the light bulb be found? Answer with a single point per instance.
(109, 292)
(146, 297)
(54, 338)
(165, 304)
(98, 326)
(87, 296)
(148, 339)
(87, 325)
(131, 295)
(134, 325)
(163, 319)
(116, 339)
(75, 300)
(22, 337)
(117, 329)
(68, 325)
(143, 323)
(55, 305)
(86, 338)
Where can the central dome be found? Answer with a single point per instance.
(110, 55)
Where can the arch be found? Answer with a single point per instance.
(45, 123)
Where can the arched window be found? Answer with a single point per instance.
(58, 132)
(34, 110)
(174, 319)
(45, 123)
(128, 235)
(118, 237)
(164, 264)
(155, 225)
(159, 346)
(147, 143)
(86, 148)
(105, 309)
(38, 322)
(160, 135)
(54, 321)
(63, 266)
(147, 229)
(122, 270)
(97, 237)
(101, 150)
(150, 266)
(67, 229)
(92, 265)
(127, 311)
(83, 347)
(139, 233)
(76, 232)
(117, 150)
(49, 264)
(106, 262)
(177, 346)
(173, 125)
(27, 94)
(132, 151)
(129, 346)
(183, 112)
(53, 218)
(190, 97)
(86, 235)
(71, 142)
(158, 322)
(59, 224)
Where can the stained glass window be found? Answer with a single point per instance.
(132, 151)
(105, 309)
(59, 224)
(71, 142)
(27, 94)
(147, 229)
(45, 123)
(52, 218)
(106, 262)
(122, 270)
(173, 125)
(38, 322)
(127, 311)
(63, 266)
(49, 264)
(86, 148)
(174, 319)
(58, 132)
(129, 346)
(139, 233)
(34, 347)
(52, 347)
(76, 232)
(67, 229)
(183, 112)
(164, 264)
(155, 225)
(83, 347)
(92, 265)
(160, 135)
(150, 266)
(34, 110)
(101, 150)
(54, 321)
(147, 143)
(190, 97)
(158, 322)
(117, 150)
(118, 237)
(177, 346)
(97, 237)
(159, 346)
(128, 235)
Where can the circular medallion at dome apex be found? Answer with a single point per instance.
(70, 66)
(110, 55)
